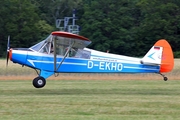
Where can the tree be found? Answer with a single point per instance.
(20, 21)
(109, 24)
(128, 27)
(131, 27)
(56, 9)
(161, 20)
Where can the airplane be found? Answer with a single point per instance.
(64, 52)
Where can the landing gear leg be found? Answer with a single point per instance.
(164, 77)
(39, 82)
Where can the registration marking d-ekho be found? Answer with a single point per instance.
(111, 66)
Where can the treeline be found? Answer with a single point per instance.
(128, 27)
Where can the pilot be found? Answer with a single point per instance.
(71, 52)
(52, 48)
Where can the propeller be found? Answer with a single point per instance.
(8, 48)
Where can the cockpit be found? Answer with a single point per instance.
(60, 45)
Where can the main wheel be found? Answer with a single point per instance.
(39, 82)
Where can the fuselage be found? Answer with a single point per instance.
(94, 61)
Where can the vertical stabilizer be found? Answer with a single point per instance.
(153, 56)
(160, 54)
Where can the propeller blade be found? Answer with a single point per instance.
(8, 48)
(8, 43)
(7, 58)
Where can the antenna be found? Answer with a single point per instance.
(72, 28)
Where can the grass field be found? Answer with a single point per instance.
(90, 100)
(88, 96)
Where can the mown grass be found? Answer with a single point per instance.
(90, 100)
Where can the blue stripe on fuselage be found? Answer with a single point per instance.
(86, 65)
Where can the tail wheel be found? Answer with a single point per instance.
(165, 78)
(39, 82)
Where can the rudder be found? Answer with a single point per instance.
(167, 58)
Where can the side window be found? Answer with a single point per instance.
(60, 49)
(72, 52)
(83, 54)
(63, 44)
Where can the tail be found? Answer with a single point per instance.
(160, 54)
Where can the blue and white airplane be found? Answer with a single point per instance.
(64, 52)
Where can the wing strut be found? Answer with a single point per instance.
(55, 55)
(69, 48)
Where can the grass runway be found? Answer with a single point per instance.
(90, 100)
(89, 96)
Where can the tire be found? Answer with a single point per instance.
(39, 82)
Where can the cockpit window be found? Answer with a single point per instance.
(38, 46)
(44, 46)
(63, 46)
(83, 54)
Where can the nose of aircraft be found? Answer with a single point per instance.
(18, 55)
(9, 56)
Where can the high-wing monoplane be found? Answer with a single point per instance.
(63, 52)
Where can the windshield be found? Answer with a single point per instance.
(38, 46)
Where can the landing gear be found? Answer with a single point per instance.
(39, 82)
(164, 77)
